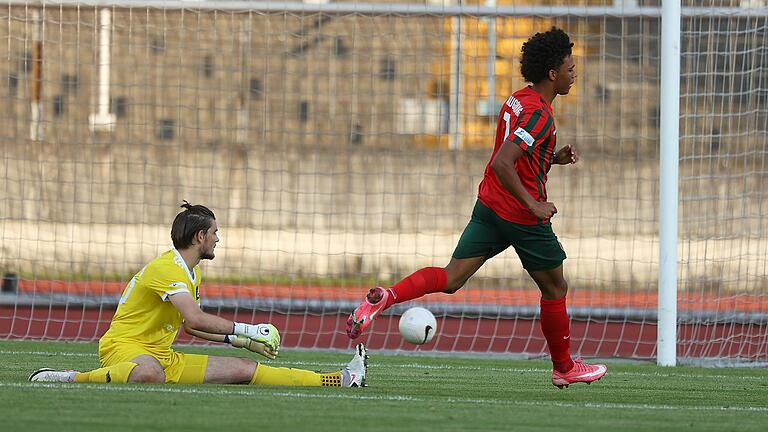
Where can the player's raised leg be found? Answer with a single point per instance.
(424, 281)
(556, 324)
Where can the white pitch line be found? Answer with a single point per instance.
(49, 353)
(356, 395)
(440, 367)
(170, 388)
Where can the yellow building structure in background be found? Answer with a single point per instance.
(477, 117)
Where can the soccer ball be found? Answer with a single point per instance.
(418, 325)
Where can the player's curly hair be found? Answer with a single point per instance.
(191, 220)
(544, 52)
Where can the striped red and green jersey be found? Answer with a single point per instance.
(526, 120)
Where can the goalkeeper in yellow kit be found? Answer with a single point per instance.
(162, 298)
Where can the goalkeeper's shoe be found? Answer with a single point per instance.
(353, 374)
(580, 372)
(375, 301)
(51, 375)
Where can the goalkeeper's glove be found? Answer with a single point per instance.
(252, 345)
(263, 333)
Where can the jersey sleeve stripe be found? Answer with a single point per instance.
(172, 292)
(544, 128)
(528, 127)
(547, 123)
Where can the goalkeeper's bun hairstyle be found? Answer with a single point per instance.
(544, 52)
(191, 220)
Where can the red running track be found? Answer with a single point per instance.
(590, 338)
(701, 301)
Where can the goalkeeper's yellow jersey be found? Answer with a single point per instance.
(145, 316)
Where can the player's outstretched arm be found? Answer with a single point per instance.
(236, 341)
(503, 166)
(204, 335)
(263, 333)
(196, 319)
(217, 329)
(253, 346)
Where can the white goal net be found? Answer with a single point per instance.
(341, 144)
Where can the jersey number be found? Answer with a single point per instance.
(130, 286)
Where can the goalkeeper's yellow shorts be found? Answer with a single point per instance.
(179, 368)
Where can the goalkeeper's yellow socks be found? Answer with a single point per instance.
(267, 375)
(117, 373)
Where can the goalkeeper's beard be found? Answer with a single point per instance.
(207, 255)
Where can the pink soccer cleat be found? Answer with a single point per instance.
(581, 372)
(375, 302)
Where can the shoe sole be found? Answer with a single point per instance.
(39, 371)
(353, 332)
(562, 386)
(363, 352)
(355, 325)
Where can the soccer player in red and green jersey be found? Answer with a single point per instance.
(512, 209)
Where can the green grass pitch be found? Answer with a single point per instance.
(405, 393)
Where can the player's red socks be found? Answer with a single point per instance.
(420, 282)
(555, 324)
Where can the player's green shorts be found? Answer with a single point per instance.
(487, 235)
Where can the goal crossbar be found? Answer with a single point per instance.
(403, 9)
